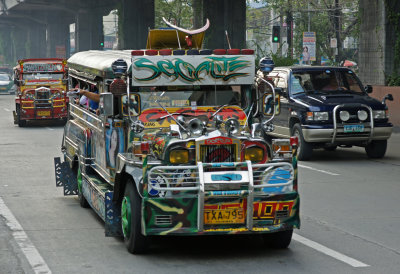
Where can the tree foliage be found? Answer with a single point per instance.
(178, 12)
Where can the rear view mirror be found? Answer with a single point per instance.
(131, 107)
(368, 89)
(106, 104)
(269, 103)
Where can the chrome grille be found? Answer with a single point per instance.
(42, 97)
(217, 153)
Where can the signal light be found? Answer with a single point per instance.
(276, 34)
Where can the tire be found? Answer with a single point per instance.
(131, 215)
(278, 240)
(82, 200)
(376, 149)
(21, 123)
(304, 151)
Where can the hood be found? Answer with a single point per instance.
(329, 101)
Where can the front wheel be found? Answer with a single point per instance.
(131, 215)
(376, 149)
(21, 123)
(278, 240)
(304, 150)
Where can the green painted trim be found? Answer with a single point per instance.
(126, 216)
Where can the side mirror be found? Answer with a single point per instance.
(368, 89)
(269, 104)
(131, 107)
(387, 97)
(106, 104)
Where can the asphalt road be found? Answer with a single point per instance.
(349, 210)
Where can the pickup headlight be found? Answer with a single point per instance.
(254, 154)
(179, 156)
(317, 116)
(380, 114)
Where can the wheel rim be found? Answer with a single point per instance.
(126, 216)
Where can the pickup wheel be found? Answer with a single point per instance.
(82, 200)
(376, 149)
(304, 151)
(278, 240)
(21, 123)
(131, 215)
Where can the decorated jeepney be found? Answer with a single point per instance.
(41, 90)
(177, 145)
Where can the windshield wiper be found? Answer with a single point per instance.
(219, 108)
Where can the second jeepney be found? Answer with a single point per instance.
(177, 147)
(41, 90)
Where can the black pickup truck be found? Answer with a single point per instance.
(326, 107)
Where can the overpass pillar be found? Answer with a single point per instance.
(37, 41)
(224, 15)
(89, 30)
(136, 17)
(20, 37)
(57, 36)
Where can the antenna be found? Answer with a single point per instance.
(227, 38)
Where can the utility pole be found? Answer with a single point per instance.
(289, 22)
(337, 17)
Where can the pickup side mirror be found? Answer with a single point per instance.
(106, 104)
(387, 97)
(368, 89)
(269, 104)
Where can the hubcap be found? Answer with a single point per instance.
(126, 216)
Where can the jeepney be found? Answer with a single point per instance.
(41, 90)
(177, 147)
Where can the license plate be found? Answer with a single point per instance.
(43, 113)
(353, 128)
(224, 216)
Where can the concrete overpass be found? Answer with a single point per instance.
(41, 27)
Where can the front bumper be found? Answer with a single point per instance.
(186, 200)
(319, 134)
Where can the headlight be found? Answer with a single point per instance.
(379, 114)
(254, 154)
(317, 116)
(56, 95)
(29, 96)
(362, 115)
(344, 115)
(179, 156)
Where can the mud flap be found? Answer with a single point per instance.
(65, 177)
(113, 216)
(15, 117)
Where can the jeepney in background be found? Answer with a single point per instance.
(177, 147)
(41, 90)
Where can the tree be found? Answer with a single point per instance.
(178, 12)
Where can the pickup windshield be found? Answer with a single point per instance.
(325, 81)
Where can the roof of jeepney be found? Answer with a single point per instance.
(98, 62)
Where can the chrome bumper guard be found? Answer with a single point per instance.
(249, 179)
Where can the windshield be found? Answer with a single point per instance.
(196, 96)
(325, 81)
(42, 76)
(4, 77)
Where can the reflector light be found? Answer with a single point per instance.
(179, 52)
(165, 52)
(219, 51)
(247, 51)
(192, 52)
(233, 51)
(137, 52)
(294, 141)
(151, 52)
(205, 52)
(145, 147)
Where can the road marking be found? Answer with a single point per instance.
(6, 109)
(49, 128)
(319, 170)
(328, 251)
(31, 253)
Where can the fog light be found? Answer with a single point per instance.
(344, 115)
(179, 156)
(362, 115)
(254, 154)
